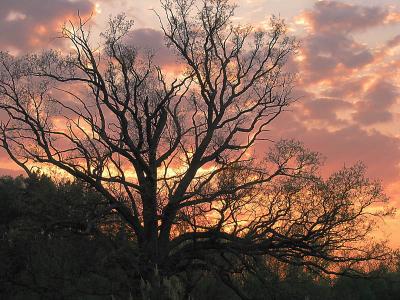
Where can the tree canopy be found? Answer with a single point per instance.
(179, 159)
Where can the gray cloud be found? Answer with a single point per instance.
(325, 109)
(330, 47)
(394, 41)
(375, 107)
(336, 16)
(147, 39)
(26, 25)
(326, 51)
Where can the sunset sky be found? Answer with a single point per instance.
(348, 70)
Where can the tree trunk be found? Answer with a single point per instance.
(157, 287)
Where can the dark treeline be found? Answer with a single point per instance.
(56, 243)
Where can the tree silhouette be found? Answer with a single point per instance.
(176, 157)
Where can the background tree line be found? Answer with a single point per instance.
(50, 250)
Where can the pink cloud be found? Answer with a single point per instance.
(26, 25)
(347, 80)
(325, 109)
(394, 42)
(377, 102)
(330, 48)
(334, 16)
(153, 41)
(330, 54)
(345, 146)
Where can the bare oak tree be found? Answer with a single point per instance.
(176, 157)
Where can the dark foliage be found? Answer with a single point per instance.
(56, 244)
